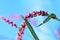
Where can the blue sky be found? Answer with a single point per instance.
(45, 32)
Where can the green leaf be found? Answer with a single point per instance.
(52, 15)
(31, 29)
(46, 20)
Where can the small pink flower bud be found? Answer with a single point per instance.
(25, 17)
(15, 25)
(23, 24)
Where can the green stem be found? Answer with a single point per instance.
(31, 29)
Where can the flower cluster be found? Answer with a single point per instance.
(35, 13)
(9, 22)
(20, 31)
(23, 25)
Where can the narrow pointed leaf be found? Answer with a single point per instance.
(57, 19)
(31, 29)
(46, 20)
(52, 15)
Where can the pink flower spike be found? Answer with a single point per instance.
(25, 17)
(9, 22)
(18, 38)
(23, 24)
(42, 13)
(33, 14)
(29, 15)
(20, 31)
(38, 13)
(15, 25)
(4, 19)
